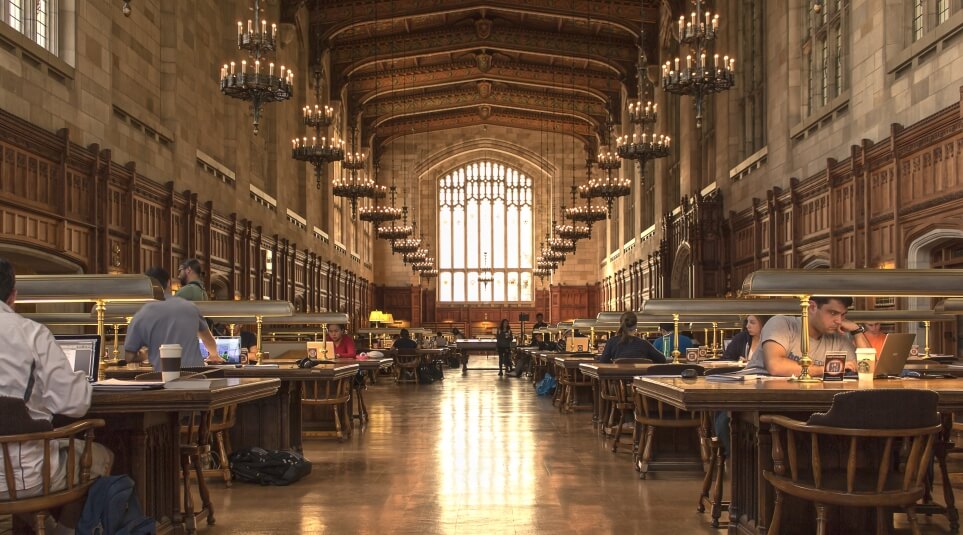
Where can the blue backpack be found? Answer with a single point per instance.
(112, 509)
(546, 386)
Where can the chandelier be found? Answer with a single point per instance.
(561, 245)
(414, 257)
(589, 213)
(572, 232)
(608, 188)
(698, 79)
(551, 255)
(424, 265)
(318, 118)
(259, 82)
(428, 273)
(608, 161)
(542, 273)
(541, 263)
(406, 245)
(378, 214)
(486, 276)
(394, 232)
(352, 185)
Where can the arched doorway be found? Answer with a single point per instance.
(680, 283)
(939, 249)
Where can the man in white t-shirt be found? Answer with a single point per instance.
(36, 370)
(829, 331)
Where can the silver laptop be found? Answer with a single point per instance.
(892, 357)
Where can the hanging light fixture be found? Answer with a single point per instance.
(428, 273)
(486, 276)
(643, 144)
(572, 232)
(561, 245)
(541, 263)
(378, 214)
(318, 154)
(697, 78)
(259, 82)
(352, 185)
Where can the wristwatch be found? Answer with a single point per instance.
(858, 330)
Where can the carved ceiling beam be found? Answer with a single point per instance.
(487, 115)
(619, 55)
(602, 85)
(385, 109)
(331, 17)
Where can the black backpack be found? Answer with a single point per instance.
(264, 467)
(424, 374)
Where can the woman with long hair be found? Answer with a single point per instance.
(748, 340)
(627, 343)
(503, 343)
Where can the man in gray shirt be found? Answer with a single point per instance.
(829, 331)
(171, 321)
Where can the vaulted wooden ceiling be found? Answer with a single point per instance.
(415, 65)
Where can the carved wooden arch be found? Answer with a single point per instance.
(680, 280)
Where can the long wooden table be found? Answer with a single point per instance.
(752, 498)
(466, 347)
(143, 431)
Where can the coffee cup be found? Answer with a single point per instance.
(865, 363)
(170, 362)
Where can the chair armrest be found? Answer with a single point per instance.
(60, 432)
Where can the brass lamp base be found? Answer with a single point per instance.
(676, 356)
(804, 376)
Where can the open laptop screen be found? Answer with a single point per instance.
(228, 347)
(83, 352)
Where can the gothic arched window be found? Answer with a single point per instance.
(485, 229)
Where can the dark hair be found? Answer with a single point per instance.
(342, 326)
(194, 265)
(539, 315)
(439, 333)
(160, 275)
(759, 317)
(405, 334)
(670, 327)
(627, 322)
(7, 279)
(504, 323)
(821, 300)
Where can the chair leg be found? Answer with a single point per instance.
(618, 430)
(41, 521)
(636, 439)
(821, 520)
(776, 514)
(202, 489)
(646, 451)
(911, 517)
(219, 438)
(707, 481)
(189, 520)
(720, 471)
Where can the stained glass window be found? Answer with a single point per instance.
(485, 234)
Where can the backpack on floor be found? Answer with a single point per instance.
(268, 467)
(546, 386)
(436, 373)
(424, 375)
(112, 509)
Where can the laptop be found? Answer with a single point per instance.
(228, 347)
(892, 357)
(314, 350)
(83, 352)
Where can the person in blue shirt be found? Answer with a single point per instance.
(628, 344)
(665, 342)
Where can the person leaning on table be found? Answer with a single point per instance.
(829, 331)
(171, 321)
(37, 371)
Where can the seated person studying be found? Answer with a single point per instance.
(343, 344)
(829, 331)
(38, 372)
(404, 341)
(666, 342)
(627, 344)
(172, 321)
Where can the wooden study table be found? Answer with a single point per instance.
(466, 347)
(572, 383)
(143, 431)
(752, 498)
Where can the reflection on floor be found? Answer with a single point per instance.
(473, 454)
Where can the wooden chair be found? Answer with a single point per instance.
(571, 381)
(195, 443)
(16, 430)
(406, 365)
(333, 393)
(865, 428)
(617, 399)
(651, 414)
(715, 475)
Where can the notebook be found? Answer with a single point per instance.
(83, 352)
(315, 350)
(892, 357)
(228, 347)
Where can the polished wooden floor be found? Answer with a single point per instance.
(473, 454)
